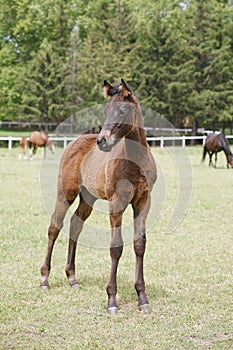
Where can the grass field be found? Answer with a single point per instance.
(188, 272)
(19, 133)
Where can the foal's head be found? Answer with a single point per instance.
(121, 114)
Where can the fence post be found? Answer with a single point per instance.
(65, 142)
(10, 143)
(161, 142)
(203, 141)
(183, 141)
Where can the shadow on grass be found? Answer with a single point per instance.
(126, 291)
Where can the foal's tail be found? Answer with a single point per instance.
(204, 153)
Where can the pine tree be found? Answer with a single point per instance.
(158, 57)
(40, 38)
(209, 66)
(107, 50)
(48, 90)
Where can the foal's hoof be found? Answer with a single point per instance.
(145, 308)
(113, 310)
(75, 286)
(44, 288)
(73, 282)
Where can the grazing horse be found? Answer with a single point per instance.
(216, 143)
(23, 145)
(39, 139)
(115, 165)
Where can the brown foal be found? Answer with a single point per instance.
(115, 165)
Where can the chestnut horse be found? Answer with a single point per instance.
(216, 143)
(23, 145)
(115, 165)
(39, 139)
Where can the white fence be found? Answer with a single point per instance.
(160, 140)
(64, 140)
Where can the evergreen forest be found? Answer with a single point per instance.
(176, 55)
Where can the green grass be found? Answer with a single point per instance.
(19, 133)
(188, 272)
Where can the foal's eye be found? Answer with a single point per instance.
(119, 125)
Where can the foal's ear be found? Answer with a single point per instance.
(107, 89)
(125, 89)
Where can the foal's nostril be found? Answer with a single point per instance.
(101, 141)
(104, 141)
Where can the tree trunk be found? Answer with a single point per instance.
(194, 131)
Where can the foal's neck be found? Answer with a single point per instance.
(138, 133)
(136, 145)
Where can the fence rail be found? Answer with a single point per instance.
(25, 124)
(154, 140)
(52, 126)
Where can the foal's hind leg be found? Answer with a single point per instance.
(62, 205)
(140, 208)
(81, 214)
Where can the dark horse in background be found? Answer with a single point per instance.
(39, 139)
(216, 143)
(115, 165)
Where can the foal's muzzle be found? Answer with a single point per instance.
(104, 144)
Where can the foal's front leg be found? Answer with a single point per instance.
(116, 248)
(140, 209)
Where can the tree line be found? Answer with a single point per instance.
(176, 56)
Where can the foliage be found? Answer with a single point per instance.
(177, 56)
(210, 62)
